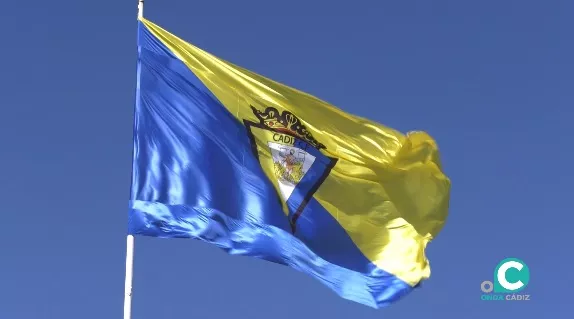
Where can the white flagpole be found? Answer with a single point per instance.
(129, 277)
(130, 241)
(140, 8)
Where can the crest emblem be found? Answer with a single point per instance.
(290, 156)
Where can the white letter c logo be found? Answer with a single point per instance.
(501, 275)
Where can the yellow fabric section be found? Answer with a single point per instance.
(387, 190)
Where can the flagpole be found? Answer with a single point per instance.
(129, 277)
(130, 239)
(140, 8)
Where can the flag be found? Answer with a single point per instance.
(257, 168)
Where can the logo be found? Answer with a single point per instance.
(511, 276)
(290, 156)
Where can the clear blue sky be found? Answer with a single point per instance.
(492, 81)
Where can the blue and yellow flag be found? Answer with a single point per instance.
(260, 169)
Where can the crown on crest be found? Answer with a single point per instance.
(285, 122)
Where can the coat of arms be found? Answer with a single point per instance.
(297, 164)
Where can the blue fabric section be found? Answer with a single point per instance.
(190, 150)
(323, 235)
(375, 289)
(195, 176)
